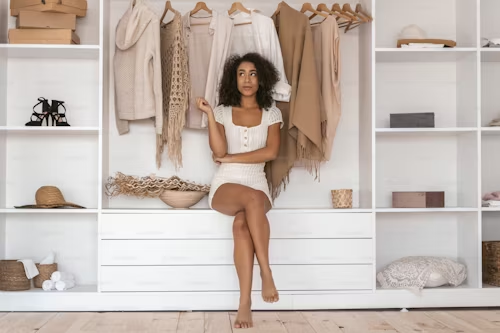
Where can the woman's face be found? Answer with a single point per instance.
(248, 82)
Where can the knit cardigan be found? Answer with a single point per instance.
(137, 68)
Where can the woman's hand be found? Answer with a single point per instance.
(215, 159)
(225, 159)
(203, 105)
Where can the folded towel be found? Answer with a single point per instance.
(58, 276)
(48, 260)
(29, 268)
(65, 285)
(48, 285)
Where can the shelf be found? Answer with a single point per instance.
(76, 289)
(210, 211)
(50, 51)
(490, 130)
(431, 131)
(48, 211)
(490, 209)
(49, 130)
(426, 210)
(422, 55)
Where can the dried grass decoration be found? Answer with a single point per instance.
(149, 186)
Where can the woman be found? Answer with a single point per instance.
(244, 133)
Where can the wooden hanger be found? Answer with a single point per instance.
(347, 9)
(238, 6)
(168, 6)
(336, 8)
(200, 6)
(323, 8)
(307, 7)
(359, 9)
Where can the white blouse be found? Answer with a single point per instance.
(241, 139)
(261, 37)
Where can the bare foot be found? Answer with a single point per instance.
(244, 317)
(269, 291)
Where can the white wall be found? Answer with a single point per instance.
(134, 153)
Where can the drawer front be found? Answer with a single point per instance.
(212, 225)
(220, 252)
(224, 278)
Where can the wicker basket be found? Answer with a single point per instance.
(491, 263)
(45, 273)
(181, 199)
(12, 276)
(342, 198)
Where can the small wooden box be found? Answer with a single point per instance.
(412, 120)
(418, 199)
(43, 36)
(45, 20)
(76, 7)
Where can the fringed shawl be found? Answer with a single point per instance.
(176, 90)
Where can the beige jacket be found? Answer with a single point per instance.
(137, 68)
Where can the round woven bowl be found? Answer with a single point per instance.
(181, 199)
(12, 276)
(45, 273)
(342, 198)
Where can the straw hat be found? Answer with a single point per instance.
(50, 197)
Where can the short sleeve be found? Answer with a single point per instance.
(275, 116)
(219, 114)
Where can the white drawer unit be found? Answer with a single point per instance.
(216, 226)
(220, 252)
(224, 278)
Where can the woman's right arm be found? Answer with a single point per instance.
(216, 132)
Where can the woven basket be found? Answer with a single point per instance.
(491, 263)
(181, 199)
(45, 273)
(342, 198)
(12, 276)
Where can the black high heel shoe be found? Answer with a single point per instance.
(40, 117)
(58, 119)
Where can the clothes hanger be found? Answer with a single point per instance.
(362, 18)
(359, 9)
(200, 6)
(307, 7)
(168, 6)
(323, 8)
(347, 9)
(341, 14)
(238, 6)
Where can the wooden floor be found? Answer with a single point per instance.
(464, 321)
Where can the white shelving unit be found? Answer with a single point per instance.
(137, 254)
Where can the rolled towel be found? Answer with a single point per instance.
(48, 285)
(58, 276)
(65, 285)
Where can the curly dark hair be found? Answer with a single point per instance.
(267, 75)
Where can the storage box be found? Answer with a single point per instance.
(28, 19)
(412, 120)
(43, 36)
(418, 199)
(491, 263)
(76, 7)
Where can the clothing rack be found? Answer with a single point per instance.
(345, 16)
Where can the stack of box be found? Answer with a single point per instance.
(46, 21)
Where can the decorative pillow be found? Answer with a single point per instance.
(419, 272)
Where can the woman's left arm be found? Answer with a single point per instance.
(268, 153)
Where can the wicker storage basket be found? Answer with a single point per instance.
(491, 263)
(12, 276)
(342, 198)
(45, 273)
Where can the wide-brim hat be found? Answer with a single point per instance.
(50, 197)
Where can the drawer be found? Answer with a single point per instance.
(212, 225)
(220, 252)
(224, 278)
